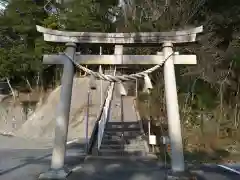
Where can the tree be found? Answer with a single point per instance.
(87, 15)
(22, 47)
(18, 35)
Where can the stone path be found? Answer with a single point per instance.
(21, 163)
(129, 112)
(130, 123)
(118, 169)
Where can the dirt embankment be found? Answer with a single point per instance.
(40, 123)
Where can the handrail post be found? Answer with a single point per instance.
(87, 119)
(101, 85)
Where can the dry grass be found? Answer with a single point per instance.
(212, 141)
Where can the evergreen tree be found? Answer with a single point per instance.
(22, 47)
(18, 35)
(88, 15)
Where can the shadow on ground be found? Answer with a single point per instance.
(127, 169)
(29, 163)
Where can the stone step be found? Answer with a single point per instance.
(135, 124)
(126, 149)
(121, 142)
(122, 129)
(111, 141)
(123, 146)
(114, 152)
(118, 140)
(116, 137)
(125, 137)
(128, 133)
(124, 122)
(145, 158)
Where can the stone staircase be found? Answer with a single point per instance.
(123, 136)
(122, 139)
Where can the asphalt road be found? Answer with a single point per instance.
(26, 159)
(18, 158)
(215, 172)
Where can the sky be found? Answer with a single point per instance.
(3, 4)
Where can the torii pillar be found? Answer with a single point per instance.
(174, 124)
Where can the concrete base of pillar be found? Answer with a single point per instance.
(55, 174)
(186, 175)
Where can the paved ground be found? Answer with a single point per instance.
(129, 113)
(129, 109)
(27, 163)
(234, 166)
(127, 169)
(108, 169)
(214, 172)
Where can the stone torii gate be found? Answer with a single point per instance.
(70, 58)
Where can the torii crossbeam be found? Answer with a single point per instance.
(165, 39)
(174, 37)
(120, 59)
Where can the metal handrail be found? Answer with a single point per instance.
(95, 129)
(105, 115)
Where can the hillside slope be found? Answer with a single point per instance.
(42, 122)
